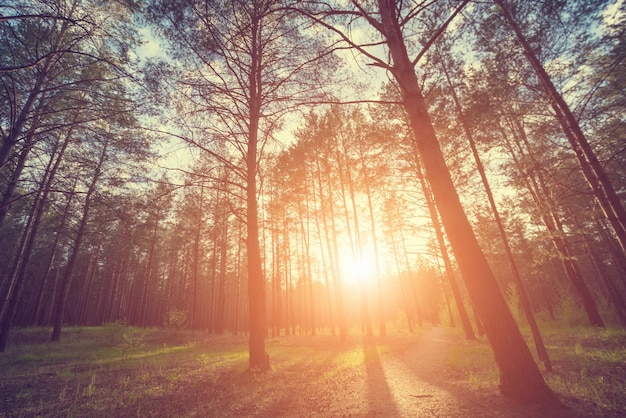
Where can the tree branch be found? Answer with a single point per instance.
(436, 35)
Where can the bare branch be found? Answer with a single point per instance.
(237, 170)
(436, 35)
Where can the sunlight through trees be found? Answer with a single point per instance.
(343, 168)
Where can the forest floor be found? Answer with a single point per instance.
(120, 371)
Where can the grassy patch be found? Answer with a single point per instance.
(473, 360)
(116, 370)
(93, 370)
(123, 371)
(589, 364)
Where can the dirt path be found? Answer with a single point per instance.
(418, 383)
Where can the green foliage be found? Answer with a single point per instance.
(569, 311)
(113, 332)
(176, 319)
(132, 339)
(118, 334)
(475, 358)
(588, 364)
(592, 367)
(82, 375)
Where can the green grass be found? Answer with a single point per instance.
(117, 370)
(589, 364)
(110, 368)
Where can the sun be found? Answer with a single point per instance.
(357, 269)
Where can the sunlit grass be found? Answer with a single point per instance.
(348, 359)
(116, 367)
(149, 370)
(589, 363)
(475, 359)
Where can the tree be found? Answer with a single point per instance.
(251, 64)
(523, 295)
(504, 112)
(68, 83)
(519, 374)
(69, 47)
(591, 167)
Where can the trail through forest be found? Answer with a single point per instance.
(415, 381)
(162, 373)
(418, 382)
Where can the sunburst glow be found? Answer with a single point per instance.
(357, 268)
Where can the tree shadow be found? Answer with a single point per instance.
(380, 399)
(481, 402)
(304, 394)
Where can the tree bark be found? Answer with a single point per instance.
(535, 187)
(523, 294)
(447, 264)
(59, 309)
(328, 212)
(17, 127)
(519, 375)
(382, 328)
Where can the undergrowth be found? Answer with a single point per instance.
(588, 363)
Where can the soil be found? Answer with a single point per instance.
(405, 376)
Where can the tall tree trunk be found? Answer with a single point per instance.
(396, 256)
(523, 294)
(143, 306)
(59, 309)
(536, 187)
(194, 270)
(355, 241)
(609, 242)
(238, 275)
(17, 274)
(16, 128)
(593, 171)
(418, 306)
(447, 263)
(612, 292)
(519, 375)
(83, 312)
(328, 212)
(47, 182)
(259, 359)
(276, 264)
(7, 196)
(221, 297)
(382, 329)
(325, 267)
(15, 279)
(306, 237)
(287, 274)
(43, 309)
(213, 277)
